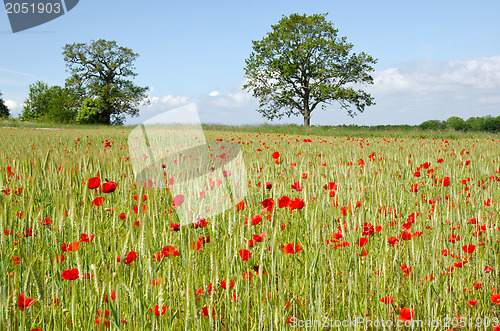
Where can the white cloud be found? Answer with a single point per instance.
(410, 93)
(418, 91)
(236, 99)
(12, 105)
(174, 100)
(430, 75)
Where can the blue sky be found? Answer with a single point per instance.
(436, 59)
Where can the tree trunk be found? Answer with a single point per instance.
(306, 119)
(307, 111)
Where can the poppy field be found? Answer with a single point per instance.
(391, 228)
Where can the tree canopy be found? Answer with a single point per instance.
(301, 64)
(50, 104)
(485, 124)
(4, 110)
(103, 70)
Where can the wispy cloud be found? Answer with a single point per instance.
(16, 72)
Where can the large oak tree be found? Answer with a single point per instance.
(102, 70)
(301, 64)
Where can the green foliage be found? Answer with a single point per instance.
(301, 64)
(433, 125)
(486, 124)
(456, 123)
(475, 123)
(53, 104)
(101, 70)
(89, 112)
(4, 110)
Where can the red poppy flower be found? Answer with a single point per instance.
(196, 245)
(70, 274)
(472, 302)
(59, 258)
(495, 298)
(73, 247)
(174, 227)
(406, 269)
(330, 186)
(488, 269)
(108, 187)
(268, 205)
(16, 259)
(406, 314)
(469, 248)
(98, 201)
(368, 229)
(156, 310)
(245, 254)
(94, 182)
(106, 313)
(256, 219)
(406, 235)
(23, 302)
(122, 216)
(240, 205)
(296, 203)
(199, 223)
(291, 248)
(276, 155)
(223, 284)
(131, 256)
(46, 221)
(144, 197)
(85, 237)
(445, 181)
(283, 202)
(392, 240)
(477, 286)
(258, 238)
(269, 185)
(387, 300)
(170, 251)
(178, 200)
(297, 186)
(362, 241)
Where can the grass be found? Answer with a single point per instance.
(323, 280)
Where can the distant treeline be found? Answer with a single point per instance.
(486, 124)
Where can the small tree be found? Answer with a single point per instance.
(50, 104)
(433, 125)
(102, 70)
(456, 123)
(301, 64)
(37, 102)
(4, 110)
(89, 112)
(475, 123)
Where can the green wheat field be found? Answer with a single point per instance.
(396, 228)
